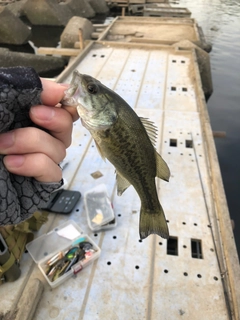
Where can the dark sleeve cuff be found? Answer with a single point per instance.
(20, 197)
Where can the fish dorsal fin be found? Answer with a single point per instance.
(151, 129)
(99, 150)
(122, 184)
(163, 171)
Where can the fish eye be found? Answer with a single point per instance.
(92, 88)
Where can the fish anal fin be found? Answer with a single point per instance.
(163, 171)
(122, 183)
(153, 223)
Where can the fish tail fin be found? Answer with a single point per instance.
(153, 223)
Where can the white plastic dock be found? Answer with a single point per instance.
(196, 274)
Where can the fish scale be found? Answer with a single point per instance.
(126, 141)
(123, 148)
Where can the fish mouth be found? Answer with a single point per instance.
(69, 98)
(75, 91)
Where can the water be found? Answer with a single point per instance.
(220, 21)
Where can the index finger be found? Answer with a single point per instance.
(52, 92)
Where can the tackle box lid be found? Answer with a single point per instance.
(98, 207)
(49, 243)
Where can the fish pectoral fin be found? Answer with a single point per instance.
(153, 223)
(99, 150)
(122, 184)
(151, 129)
(163, 171)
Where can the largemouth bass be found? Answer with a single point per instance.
(126, 140)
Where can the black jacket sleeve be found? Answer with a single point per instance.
(20, 197)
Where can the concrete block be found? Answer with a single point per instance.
(29, 300)
(47, 12)
(45, 66)
(99, 6)
(81, 8)
(12, 29)
(17, 7)
(70, 34)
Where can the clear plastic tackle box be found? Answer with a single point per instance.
(99, 209)
(63, 252)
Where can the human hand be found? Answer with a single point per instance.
(33, 152)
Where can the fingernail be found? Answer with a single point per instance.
(6, 140)
(14, 161)
(42, 112)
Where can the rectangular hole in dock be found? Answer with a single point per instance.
(173, 88)
(184, 89)
(173, 143)
(189, 144)
(172, 246)
(196, 249)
